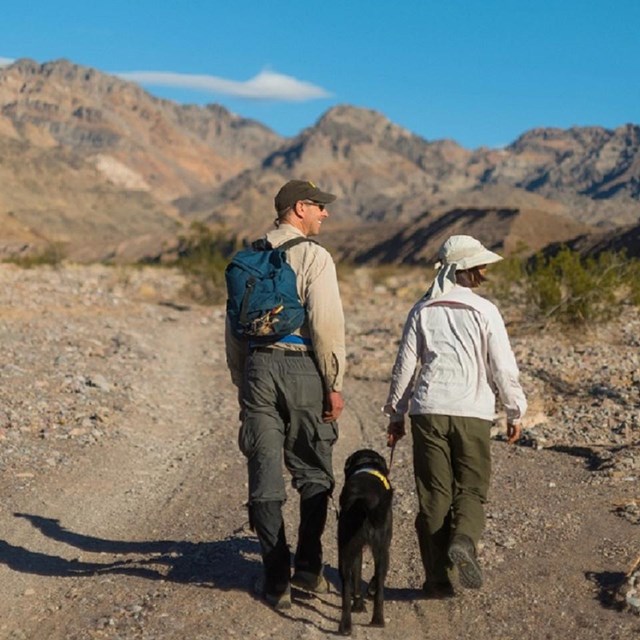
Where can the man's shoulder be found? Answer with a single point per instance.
(303, 244)
(276, 237)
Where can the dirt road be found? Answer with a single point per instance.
(122, 489)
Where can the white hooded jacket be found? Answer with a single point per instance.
(460, 342)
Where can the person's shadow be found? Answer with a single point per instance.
(227, 564)
(231, 564)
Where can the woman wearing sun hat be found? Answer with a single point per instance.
(459, 340)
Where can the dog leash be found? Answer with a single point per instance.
(393, 448)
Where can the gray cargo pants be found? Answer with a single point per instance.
(282, 401)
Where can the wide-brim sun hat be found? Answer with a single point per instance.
(465, 252)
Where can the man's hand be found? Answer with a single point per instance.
(333, 406)
(513, 432)
(395, 431)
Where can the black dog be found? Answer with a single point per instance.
(365, 520)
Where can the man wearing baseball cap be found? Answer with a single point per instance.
(460, 341)
(291, 397)
(300, 191)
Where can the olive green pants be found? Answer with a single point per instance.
(452, 468)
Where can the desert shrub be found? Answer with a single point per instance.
(345, 269)
(52, 254)
(382, 273)
(567, 287)
(203, 256)
(632, 282)
(505, 279)
(376, 281)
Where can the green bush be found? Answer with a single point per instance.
(505, 279)
(203, 255)
(567, 287)
(632, 282)
(52, 254)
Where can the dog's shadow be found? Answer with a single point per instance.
(227, 564)
(391, 594)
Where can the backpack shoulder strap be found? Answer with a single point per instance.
(293, 242)
(261, 244)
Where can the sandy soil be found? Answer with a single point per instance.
(122, 489)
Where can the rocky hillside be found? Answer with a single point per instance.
(89, 159)
(504, 230)
(383, 172)
(625, 239)
(136, 141)
(99, 165)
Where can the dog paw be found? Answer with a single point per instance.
(377, 622)
(345, 628)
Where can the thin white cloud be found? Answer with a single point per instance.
(267, 85)
(5, 61)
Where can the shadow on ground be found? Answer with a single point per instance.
(221, 564)
(608, 584)
(229, 564)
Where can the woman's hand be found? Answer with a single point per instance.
(395, 431)
(513, 432)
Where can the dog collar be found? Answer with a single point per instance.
(377, 474)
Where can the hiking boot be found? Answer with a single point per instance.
(278, 601)
(438, 590)
(462, 554)
(310, 582)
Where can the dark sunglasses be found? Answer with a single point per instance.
(317, 204)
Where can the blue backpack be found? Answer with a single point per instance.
(262, 297)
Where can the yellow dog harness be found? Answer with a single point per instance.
(377, 474)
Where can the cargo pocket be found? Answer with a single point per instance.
(327, 432)
(309, 393)
(246, 440)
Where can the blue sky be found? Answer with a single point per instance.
(478, 72)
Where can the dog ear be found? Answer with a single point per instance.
(364, 458)
(359, 458)
(349, 463)
(382, 463)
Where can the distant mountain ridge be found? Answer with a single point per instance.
(97, 164)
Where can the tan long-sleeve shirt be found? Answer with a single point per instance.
(317, 284)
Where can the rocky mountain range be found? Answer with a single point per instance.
(96, 164)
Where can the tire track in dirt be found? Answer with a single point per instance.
(145, 534)
(126, 507)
